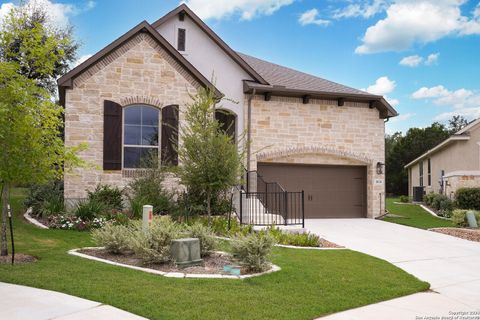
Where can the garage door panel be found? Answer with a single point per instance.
(330, 191)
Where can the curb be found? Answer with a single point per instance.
(32, 220)
(74, 252)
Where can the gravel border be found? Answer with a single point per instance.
(461, 233)
(74, 252)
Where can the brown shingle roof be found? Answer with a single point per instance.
(278, 75)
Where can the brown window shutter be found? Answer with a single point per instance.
(112, 136)
(169, 154)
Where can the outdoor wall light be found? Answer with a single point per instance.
(380, 166)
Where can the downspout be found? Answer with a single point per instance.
(249, 134)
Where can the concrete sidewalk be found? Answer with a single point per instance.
(26, 303)
(451, 266)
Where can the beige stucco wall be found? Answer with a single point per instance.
(140, 71)
(459, 156)
(285, 130)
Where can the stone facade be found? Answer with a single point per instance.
(140, 71)
(285, 130)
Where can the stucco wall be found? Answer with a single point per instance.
(320, 132)
(140, 71)
(463, 155)
(208, 58)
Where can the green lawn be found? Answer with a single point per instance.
(311, 283)
(413, 215)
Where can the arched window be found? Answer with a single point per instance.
(227, 120)
(169, 135)
(140, 135)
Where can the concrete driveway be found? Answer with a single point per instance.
(451, 265)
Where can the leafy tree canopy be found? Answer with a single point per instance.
(41, 50)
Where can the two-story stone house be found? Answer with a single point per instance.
(306, 133)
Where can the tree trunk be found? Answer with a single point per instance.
(4, 248)
(209, 209)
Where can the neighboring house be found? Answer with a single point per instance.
(306, 133)
(452, 164)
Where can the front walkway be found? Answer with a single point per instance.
(26, 303)
(451, 265)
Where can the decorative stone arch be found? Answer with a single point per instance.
(146, 100)
(315, 149)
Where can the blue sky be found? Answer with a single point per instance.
(424, 55)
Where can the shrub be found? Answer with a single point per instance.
(115, 238)
(110, 197)
(302, 239)
(468, 198)
(153, 246)
(46, 199)
(206, 236)
(253, 250)
(88, 209)
(459, 217)
(440, 203)
(404, 199)
(428, 198)
(148, 189)
(68, 222)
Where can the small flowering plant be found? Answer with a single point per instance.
(67, 222)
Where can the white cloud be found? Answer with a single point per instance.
(464, 102)
(81, 60)
(381, 87)
(409, 22)
(416, 60)
(403, 117)
(432, 58)
(247, 9)
(58, 13)
(411, 61)
(469, 113)
(366, 9)
(311, 17)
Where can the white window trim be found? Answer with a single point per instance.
(158, 147)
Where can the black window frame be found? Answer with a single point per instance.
(429, 172)
(181, 39)
(420, 173)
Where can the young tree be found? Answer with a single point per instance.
(209, 160)
(32, 149)
(456, 124)
(42, 50)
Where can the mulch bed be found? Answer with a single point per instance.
(464, 233)
(20, 258)
(212, 264)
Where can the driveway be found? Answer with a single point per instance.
(26, 303)
(451, 265)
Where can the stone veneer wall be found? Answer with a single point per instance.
(456, 182)
(140, 71)
(285, 130)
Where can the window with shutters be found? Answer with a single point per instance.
(140, 135)
(169, 154)
(181, 39)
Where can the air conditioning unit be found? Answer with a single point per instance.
(418, 193)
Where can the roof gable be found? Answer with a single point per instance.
(66, 81)
(184, 9)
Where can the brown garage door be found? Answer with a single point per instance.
(330, 191)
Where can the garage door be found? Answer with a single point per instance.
(330, 191)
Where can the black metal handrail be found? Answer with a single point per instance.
(272, 208)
